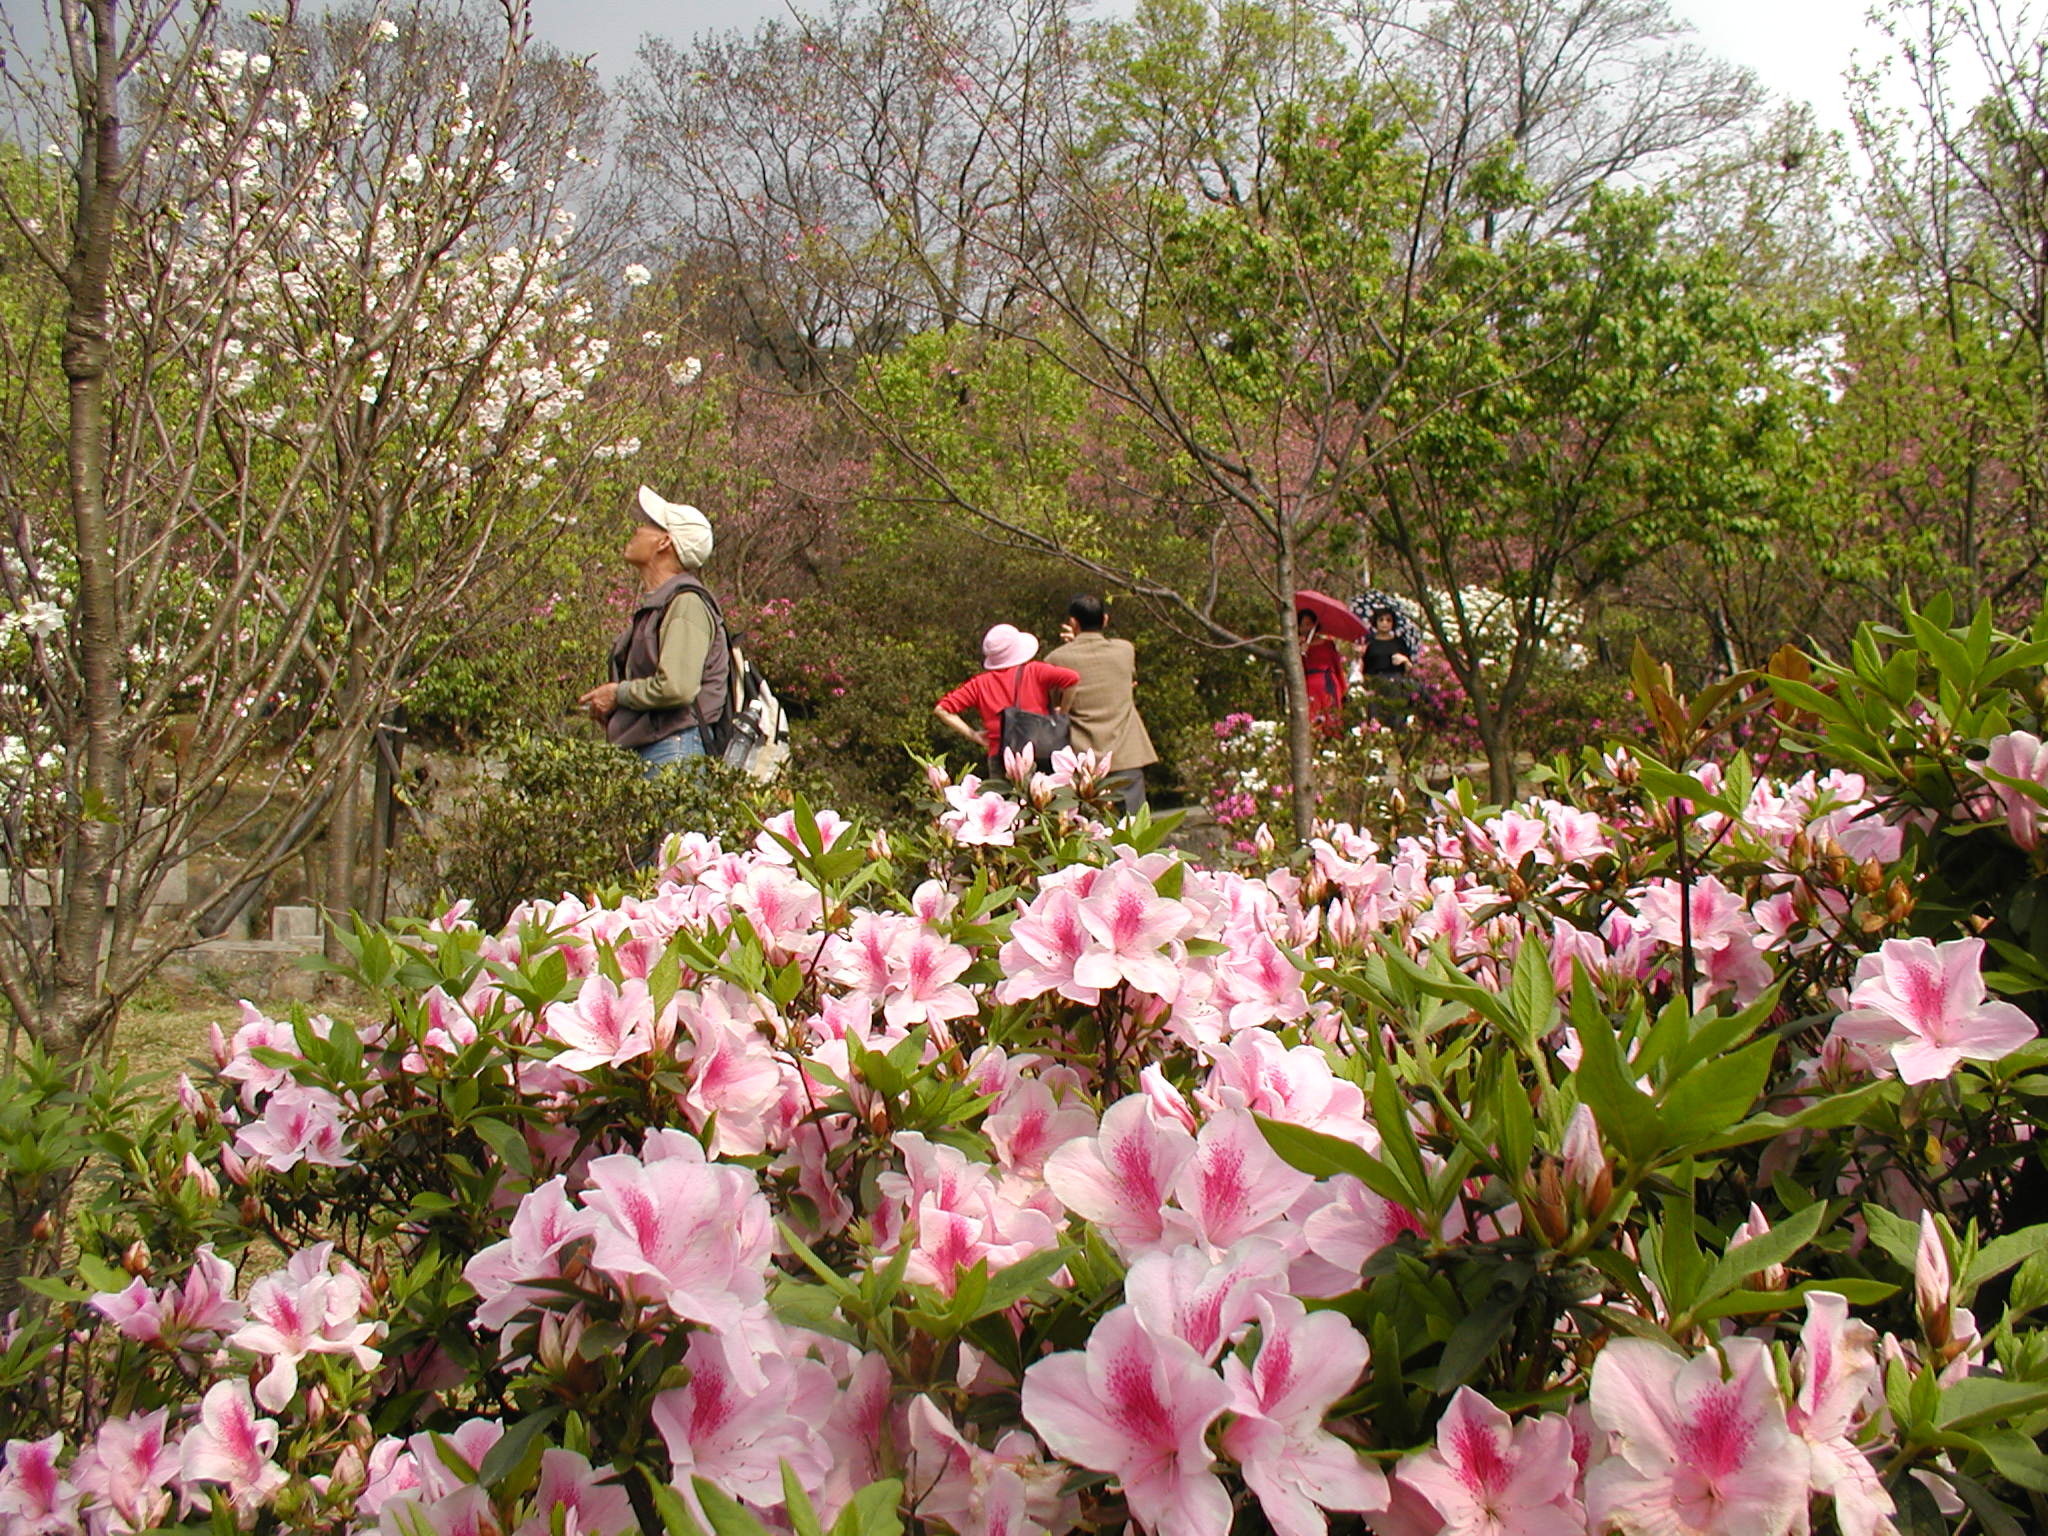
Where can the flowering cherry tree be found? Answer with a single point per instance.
(320, 357)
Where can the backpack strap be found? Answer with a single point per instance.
(1017, 687)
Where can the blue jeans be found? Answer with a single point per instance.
(672, 751)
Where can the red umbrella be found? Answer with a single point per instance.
(1336, 619)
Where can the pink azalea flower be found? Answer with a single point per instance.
(978, 820)
(1004, 1492)
(1184, 1294)
(299, 1124)
(1131, 924)
(925, 985)
(1140, 1408)
(1235, 1186)
(1355, 1224)
(542, 1227)
(1699, 1449)
(2019, 755)
(1487, 1477)
(607, 1026)
(1294, 1084)
(691, 1235)
(197, 1310)
(35, 1498)
(303, 1310)
(1046, 942)
(736, 1082)
(1306, 1361)
(1260, 984)
(831, 827)
(571, 1490)
(864, 958)
(741, 1416)
(126, 1473)
(1837, 1371)
(1926, 1003)
(1118, 1178)
(781, 908)
(1028, 1123)
(231, 1445)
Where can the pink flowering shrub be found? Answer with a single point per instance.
(1655, 1155)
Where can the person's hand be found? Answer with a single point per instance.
(600, 701)
(1401, 661)
(1069, 629)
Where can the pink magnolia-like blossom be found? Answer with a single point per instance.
(1119, 1178)
(607, 1026)
(1306, 1361)
(299, 1125)
(231, 1445)
(35, 1498)
(1138, 1407)
(1487, 1477)
(126, 1473)
(1926, 1004)
(303, 1310)
(1837, 1371)
(1700, 1448)
(2019, 755)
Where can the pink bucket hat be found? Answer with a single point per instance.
(1007, 646)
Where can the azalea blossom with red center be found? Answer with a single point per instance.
(1700, 1446)
(1488, 1477)
(1926, 1004)
(1138, 1407)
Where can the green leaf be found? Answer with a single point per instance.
(1715, 1096)
(1398, 1146)
(727, 1515)
(1739, 1303)
(1321, 1155)
(2017, 1458)
(2001, 1254)
(513, 1445)
(1625, 1113)
(508, 1143)
(872, 1511)
(1777, 1246)
(1980, 1400)
(1007, 1287)
(675, 1514)
(803, 1518)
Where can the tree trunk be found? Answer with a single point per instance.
(387, 742)
(71, 1011)
(339, 885)
(1300, 747)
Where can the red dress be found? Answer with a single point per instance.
(1324, 664)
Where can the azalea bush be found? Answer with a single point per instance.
(1657, 1154)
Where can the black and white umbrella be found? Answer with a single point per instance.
(1406, 630)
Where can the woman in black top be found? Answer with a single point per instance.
(1387, 658)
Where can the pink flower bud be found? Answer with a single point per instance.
(202, 1176)
(232, 1165)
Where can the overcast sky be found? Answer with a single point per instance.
(1798, 48)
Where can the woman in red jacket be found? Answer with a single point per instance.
(1009, 677)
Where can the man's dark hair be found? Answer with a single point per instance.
(1087, 612)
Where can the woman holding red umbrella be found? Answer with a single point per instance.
(1321, 622)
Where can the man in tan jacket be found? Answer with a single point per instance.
(1104, 714)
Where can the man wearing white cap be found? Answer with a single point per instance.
(669, 668)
